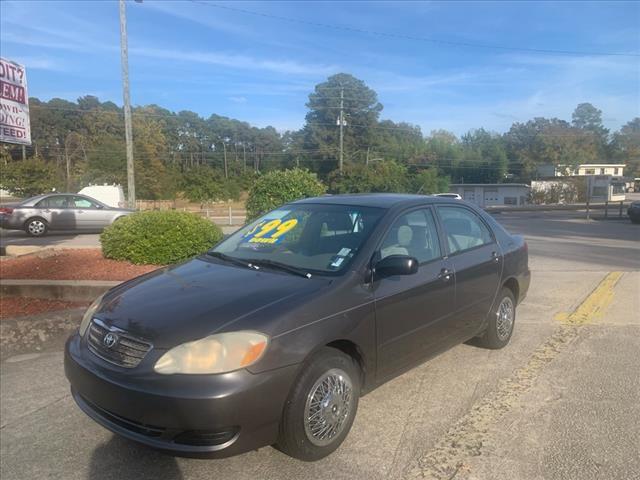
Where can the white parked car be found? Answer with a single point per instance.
(112, 195)
(449, 195)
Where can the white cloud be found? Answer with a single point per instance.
(40, 63)
(287, 67)
(238, 99)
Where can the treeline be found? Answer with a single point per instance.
(77, 143)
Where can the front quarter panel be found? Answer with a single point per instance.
(343, 312)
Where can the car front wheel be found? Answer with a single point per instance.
(501, 321)
(321, 407)
(36, 227)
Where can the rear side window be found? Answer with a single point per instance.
(413, 234)
(464, 229)
(58, 201)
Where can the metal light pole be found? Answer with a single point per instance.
(341, 120)
(124, 59)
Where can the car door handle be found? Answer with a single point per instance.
(495, 256)
(445, 275)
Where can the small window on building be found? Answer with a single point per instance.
(590, 171)
(510, 200)
(616, 170)
(602, 171)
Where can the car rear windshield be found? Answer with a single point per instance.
(312, 237)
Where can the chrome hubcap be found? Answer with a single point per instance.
(36, 227)
(505, 316)
(328, 407)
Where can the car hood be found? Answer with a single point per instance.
(194, 299)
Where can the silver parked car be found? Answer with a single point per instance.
(59, 211)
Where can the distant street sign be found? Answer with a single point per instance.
(14, 104)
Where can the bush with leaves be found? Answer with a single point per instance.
(26, 178)
(281, 186)
(158, 237)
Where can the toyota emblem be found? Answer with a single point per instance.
(110, 339)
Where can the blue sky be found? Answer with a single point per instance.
(190, 55)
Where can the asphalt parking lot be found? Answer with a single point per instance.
(560, 402)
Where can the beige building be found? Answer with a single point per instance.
(615, 169)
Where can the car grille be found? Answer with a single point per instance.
(126, 351)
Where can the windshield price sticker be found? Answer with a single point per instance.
(270, 232)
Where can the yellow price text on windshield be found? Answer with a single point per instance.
(272, 231)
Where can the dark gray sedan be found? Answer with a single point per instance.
(59, 211)
(274, 334)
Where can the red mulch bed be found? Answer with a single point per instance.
(17, 306)
(80, 264)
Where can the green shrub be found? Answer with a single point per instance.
(158, 237)
(279, 187)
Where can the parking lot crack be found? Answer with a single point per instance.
(469, 434)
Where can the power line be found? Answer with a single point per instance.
(412, 37)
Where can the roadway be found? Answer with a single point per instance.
(560, 402)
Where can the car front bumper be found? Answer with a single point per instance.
(211, 416)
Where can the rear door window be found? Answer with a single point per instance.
(57, 201)
(463, 229)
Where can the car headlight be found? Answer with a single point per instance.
(219, 353)
(88, 315)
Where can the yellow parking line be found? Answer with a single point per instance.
(594, 304)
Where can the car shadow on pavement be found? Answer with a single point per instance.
(121, 459)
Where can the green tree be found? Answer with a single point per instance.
(380, 176)
(543, 141)
(428, 181)
(484, 158)
(626, 147)
(588, 118)
(26, 178)
(321, 131)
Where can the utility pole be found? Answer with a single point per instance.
(367, 160)
(341, 121)
(244, 157)
(226, 168)
(124, 60)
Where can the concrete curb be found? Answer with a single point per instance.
(22, 250)
(69, 290)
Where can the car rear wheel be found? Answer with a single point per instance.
(501, 321)
(36, 227)
(321, 406)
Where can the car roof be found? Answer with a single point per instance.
(379, 200)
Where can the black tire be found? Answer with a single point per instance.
(296, 438)
(497, 334)
(36, 227)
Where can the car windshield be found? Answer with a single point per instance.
(313, 238)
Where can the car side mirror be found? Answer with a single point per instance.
(396, 265)
(99, 207)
